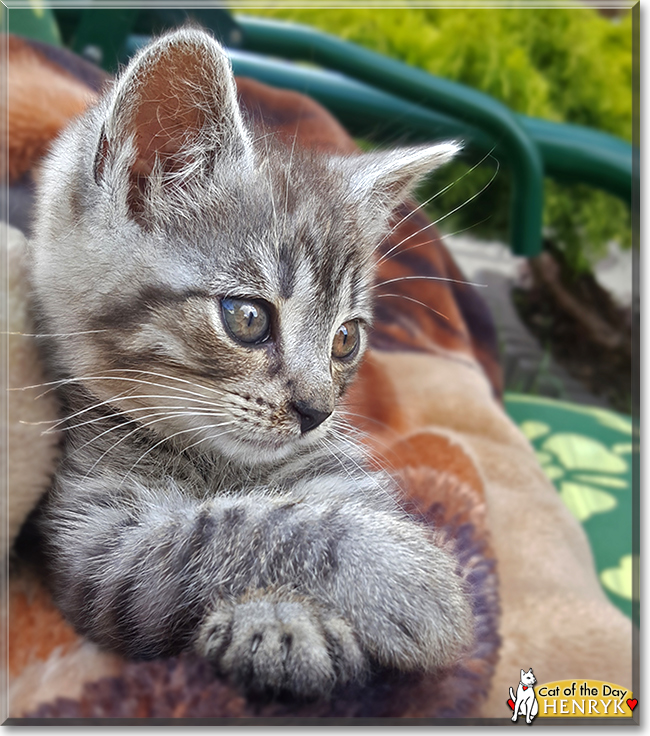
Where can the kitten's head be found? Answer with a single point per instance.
(222, 282)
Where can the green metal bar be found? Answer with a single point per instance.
(38, 23)
(101, 33)
(573, 153)
(570, 153)
(469, 106)
(364, 111)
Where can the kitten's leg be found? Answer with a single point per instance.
(399, 600)
(401, 593)
(152, 573)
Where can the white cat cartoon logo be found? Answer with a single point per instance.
(526, 701)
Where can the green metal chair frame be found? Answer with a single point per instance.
(566, 152)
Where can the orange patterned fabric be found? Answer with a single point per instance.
(36, 628)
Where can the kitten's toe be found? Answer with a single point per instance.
(349, 660)
(308, 668)
(215, 633)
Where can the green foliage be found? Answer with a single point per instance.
(566, 65)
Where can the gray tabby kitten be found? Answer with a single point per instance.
(211, 293)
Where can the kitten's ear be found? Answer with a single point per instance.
(389, 177)
(176, 104)
(522, 674)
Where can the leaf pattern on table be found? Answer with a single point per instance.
(584, 501)
(619, 579)
(587, 453)
(565, 456)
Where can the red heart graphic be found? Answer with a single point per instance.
(632, 703)
(525, 687)
(512, 705)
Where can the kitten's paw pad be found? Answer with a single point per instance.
(268, 646)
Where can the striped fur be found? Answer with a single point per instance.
(190, 509)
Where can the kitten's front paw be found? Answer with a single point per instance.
(408, 604)
(271, 646)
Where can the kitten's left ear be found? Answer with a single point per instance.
(389, 177)
(176, 106)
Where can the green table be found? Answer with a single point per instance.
(587, 453)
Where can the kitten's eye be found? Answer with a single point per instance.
(246, 320)
(346, 340)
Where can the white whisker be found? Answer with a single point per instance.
(428, 201)
(176, 434)
(288, 182)
(440, 219)
(221, 392)
(446, 235)
(80, 379)
(337, 448)
(141, 424)
(267, 166)
(211, 437)
(345, 430)
(416, 301)
(123, 397)
(373, 456)
(429, 278)
(383, 425)
(53, 334)
(198, 411)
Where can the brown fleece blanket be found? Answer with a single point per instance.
(427, 397)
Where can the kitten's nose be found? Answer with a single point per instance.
(310, 417)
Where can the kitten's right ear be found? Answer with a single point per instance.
(174, 109)
(387, 178)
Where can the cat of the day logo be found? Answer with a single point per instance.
(524, 703)
(570, 699)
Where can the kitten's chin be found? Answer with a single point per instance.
(251, 452)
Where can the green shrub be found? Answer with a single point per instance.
(566, 65)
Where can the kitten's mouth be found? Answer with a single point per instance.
(255, 450)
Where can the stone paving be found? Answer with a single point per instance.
(528, 367)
